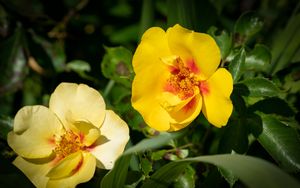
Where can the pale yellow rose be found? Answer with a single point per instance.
(61, 146)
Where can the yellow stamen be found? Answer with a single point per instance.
(69, 143)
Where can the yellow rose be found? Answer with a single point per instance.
(61, 146)
(177, 77)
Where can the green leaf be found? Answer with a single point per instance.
(273, 105)
(237, 64)
(286, 43)
(157, 155)
(117, 176)
(165, 175)
(12, 62)
(186, 179)
(261, 87)
(81, 68)
(254, 172)
(146, 166)
(282, 143)
(247, 26)
(228, 175)
(234, 137)
(116, 65)
(224, 41)
(6, 125)
(254, 124)
(153, 143)
(258, 59)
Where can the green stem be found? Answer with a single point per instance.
(147, 17)
(108, 87)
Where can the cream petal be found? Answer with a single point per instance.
(84, 173)
(78, 102)
(35, 128)
(117, 133)
(35, 172)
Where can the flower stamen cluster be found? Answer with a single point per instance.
(182, 81)
(69, 143)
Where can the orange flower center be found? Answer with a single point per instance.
(182, 80)
(69, 143)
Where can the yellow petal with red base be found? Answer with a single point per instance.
(198, 50)
(217, 106)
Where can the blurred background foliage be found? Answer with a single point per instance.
(43, 43)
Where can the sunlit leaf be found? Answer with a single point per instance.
(254, 172)
(282, 143)
(237, 64)
(247, 26)
(258, 59)
(261, 87)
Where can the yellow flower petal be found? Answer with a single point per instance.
(217, 106)
(181, 111)
(67, 166)
(35, 172)
(153, 47)
(80, 102)
(186, 114)
(86, 130)
(117, 134)
(83, 174)
(151, 74)
(34, 131)
(195, 49)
